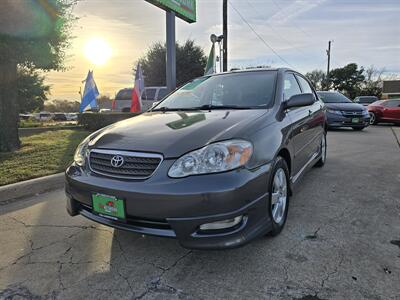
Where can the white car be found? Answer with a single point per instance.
(123, 98)
(71, 116)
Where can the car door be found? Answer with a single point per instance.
(317, 118)
(392, 110)
(300, 118)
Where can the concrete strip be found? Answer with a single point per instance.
(31, 187)
(396, 132)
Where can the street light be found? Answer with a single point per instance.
(218, 39)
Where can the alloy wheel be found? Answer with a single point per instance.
(371, 118)
(279, 195)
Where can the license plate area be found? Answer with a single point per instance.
(108, 206)
(355, 120)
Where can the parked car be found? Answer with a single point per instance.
(25, 116)
(385, 111)
(43, 116)
(72, 116)
(212, 165)
(342, 112)
(150, 94)
(60, 117)
(365, 100)
(104, 110)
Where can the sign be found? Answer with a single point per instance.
(184, 9)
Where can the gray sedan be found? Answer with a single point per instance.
(213, 164)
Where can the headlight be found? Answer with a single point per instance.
(333, 111)
(214, 158)
(81, 152)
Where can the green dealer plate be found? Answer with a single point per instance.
(108, 206)
(355, 120)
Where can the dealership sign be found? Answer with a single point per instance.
(184, 9)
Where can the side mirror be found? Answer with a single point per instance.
(300, 100)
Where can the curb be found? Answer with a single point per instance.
(31, 187)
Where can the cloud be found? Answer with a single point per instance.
(298, 7)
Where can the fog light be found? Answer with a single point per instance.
(221, 224)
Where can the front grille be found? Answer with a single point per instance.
(352, 114)
(135, 165)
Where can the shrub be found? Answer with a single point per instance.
(94, 121)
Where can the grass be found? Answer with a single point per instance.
(40, 155)
(33, 123)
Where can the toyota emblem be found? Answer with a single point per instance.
(117, 161)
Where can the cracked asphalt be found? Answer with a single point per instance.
(341, 241)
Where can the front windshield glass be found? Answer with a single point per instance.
(234, 90)
(330, 97)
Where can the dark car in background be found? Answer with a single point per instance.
(212, 165)
(385, 111)
(342, 112)
(365, 100)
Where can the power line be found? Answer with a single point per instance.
(260, 37)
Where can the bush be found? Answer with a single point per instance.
(94, 121)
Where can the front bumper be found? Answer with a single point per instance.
(334, 120)
(168, 207)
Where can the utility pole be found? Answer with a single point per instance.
(171, 51)
(328, 52)
(225, 34)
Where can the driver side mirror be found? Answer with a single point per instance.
(300, 100)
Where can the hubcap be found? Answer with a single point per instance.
(371, 118)
(323, 149)
(279, 195)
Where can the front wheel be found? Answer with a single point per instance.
(372, 118)
(278, 196)
(322, 147)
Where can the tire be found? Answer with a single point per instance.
(279, 191)
(358, 128)
(372, 118)
(323, 148)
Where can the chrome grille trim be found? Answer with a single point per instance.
(143, 164)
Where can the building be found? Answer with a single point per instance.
(391, 89)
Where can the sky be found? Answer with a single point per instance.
(288, 33)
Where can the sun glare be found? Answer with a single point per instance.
(97, 51)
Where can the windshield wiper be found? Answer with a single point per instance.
(206, 107)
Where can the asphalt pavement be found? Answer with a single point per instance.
(341, 241)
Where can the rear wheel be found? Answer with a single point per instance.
(372, 118)
(278, 196)
(323, 148)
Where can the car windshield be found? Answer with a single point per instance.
(331, 97)
(232, 91)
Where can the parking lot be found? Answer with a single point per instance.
(341, 241)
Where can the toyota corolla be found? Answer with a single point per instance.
(212, 165)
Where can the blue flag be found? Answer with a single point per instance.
(90, 93)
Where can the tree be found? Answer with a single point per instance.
(58, 105)
(373, 83)
(190, 63)
(347, 80)
(33, 34)
(317, 78)
(31, 90)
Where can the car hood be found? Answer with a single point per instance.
(345, 106)
(176, 133)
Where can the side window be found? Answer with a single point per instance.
(305, 86)
(291, 87)
(149, 94)
(390, 103)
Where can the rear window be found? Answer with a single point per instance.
(367, 99)
(149, 94)
(125, 94)
(162, 93)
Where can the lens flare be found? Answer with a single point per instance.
(97, 51)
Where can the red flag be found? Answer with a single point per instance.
(137, 91)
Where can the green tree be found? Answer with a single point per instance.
(32, 92)
(58, 105)
(373, 83)
(317, 78)
(347, 80)
(190, 63)
(33, 34)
